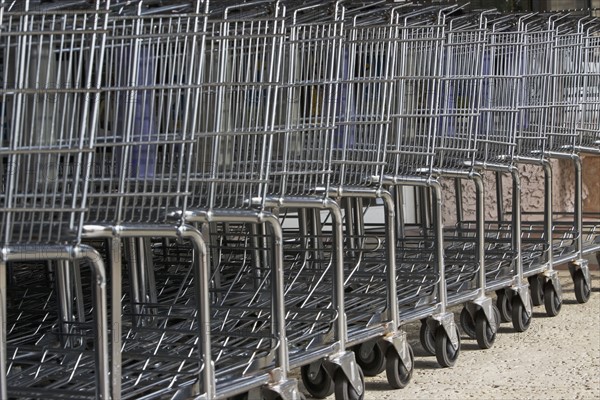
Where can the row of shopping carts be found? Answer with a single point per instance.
(187, 189)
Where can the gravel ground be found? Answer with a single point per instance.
(557, 358)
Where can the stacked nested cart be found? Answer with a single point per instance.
(198, 199)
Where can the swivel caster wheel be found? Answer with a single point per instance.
(536, 287)
(371, 358)
(398, 375)
(582, 289)
(485, 334)
(520, 319)
(344, 389)
(445, 353)
(427, 337)
(467, 323)
(504, 305)
(319, 384)
(552, 302)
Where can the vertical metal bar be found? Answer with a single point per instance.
(3, 341)
(115, 257)
(500, 212)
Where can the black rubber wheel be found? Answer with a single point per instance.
(372, 362)
(520, 319)
(467, 324)
(445, 353)
(536, 287)
(486, 336)
(398, 375)
(582, 289)
(504, 305)
(552, 302)
(319, 386)
(427, 337)
(344, 390)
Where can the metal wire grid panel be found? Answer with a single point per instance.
(149, 121)
(48, 115)
(231, 170)
(460, 94)
(589, 124)
(307, 107)
(415, 103)
(567, 83)
(51, 64)
(159, 342)
(302, 167)
(242, 315)
(496, 140)
(243, 58)
(535, 89)
(51, 352)
(499, 110)
(363, 119)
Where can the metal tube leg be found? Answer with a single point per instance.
(277, 301)
(65, 300)
(115, 258)
(257, 254)
(443, 318)
(150, 279)
(345, 360)
(101, 318)
(482, 301)
(519, 287)
(439, 245)
(390, 236)
(578, 205)
(548, 225)
(398, 337)
(580, 263)
(202, 275)
(398, 197)
(349, 225)
(459, 199)
(339, 278)
(317, 245)
(3, 352)
(78, 291)
(499, 197)
(548, 212)
(480, 227)
(134, 281)
(516, 227)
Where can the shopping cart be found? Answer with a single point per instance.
(160, 341)
(496, 144)
(53, 344)
(576, 238)
(301, 170)
(229, 182)
(433, 138)
(373, 34)
(410, 145)
(550, 102)
(351, 129)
